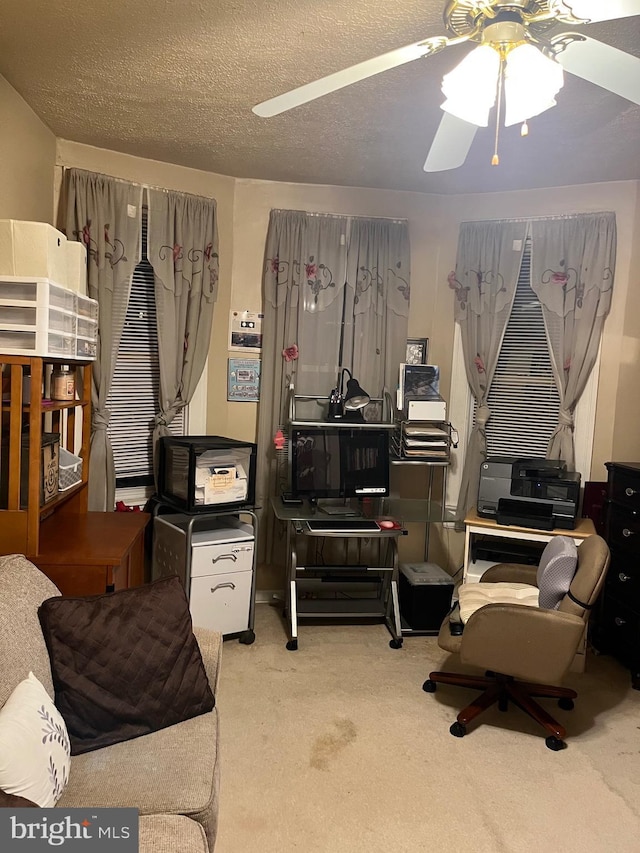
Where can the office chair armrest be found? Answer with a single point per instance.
(511, 573)
(210, 644)
(525, 642)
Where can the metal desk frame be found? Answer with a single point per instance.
(385, 606)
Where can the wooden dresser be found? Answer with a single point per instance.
(618, 624)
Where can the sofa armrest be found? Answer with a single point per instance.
(525, 642)
(210, 643)
(511, 573)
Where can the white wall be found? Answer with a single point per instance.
(27, 156)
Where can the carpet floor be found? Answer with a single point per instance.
(336, 747)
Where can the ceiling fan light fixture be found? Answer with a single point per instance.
(470, 89)
(532, 81)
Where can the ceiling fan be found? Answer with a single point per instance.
(518, 59)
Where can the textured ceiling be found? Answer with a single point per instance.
(175, 81)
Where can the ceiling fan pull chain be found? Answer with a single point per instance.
(495, 160)
(524, 130)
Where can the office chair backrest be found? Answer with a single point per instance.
(593, 562)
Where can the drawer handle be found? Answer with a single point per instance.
(629, 492)
(227, 585)
(626, 532)
(619, 622)
(622, 577)
(231, 557)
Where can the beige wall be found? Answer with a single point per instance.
(27, 155)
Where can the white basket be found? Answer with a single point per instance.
(70, 470)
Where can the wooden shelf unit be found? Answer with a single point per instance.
(20, 526)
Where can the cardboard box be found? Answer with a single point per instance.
(49, 469)
(32, 249)
(431, 409)
(76, 266)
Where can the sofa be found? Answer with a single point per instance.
(171, 776)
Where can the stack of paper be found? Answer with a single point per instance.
(423, 441)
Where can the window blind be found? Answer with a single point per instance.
(523, 399)
(135, 390)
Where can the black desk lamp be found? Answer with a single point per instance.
(348, 406)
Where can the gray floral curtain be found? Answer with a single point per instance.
(484, 282)
(105, 215)
(182, 247)
(572, 269)
(336, 294)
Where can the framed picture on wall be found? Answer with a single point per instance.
(417, 350)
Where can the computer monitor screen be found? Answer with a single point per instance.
(339, 462)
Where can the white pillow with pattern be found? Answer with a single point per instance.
(34, 745)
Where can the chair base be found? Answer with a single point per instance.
(501, 689)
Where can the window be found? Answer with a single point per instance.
(523, 382)
(523, 398)
(135, 390)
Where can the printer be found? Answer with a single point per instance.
(538, 493)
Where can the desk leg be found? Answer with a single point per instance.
(292, 644)
(467, 550)
(393, 611)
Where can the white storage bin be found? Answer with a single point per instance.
(32, 249)
(86, 328)
(85, 349)
(70, 470)
(37, 342)
(76, 267)
(87, 307)
(37, 292)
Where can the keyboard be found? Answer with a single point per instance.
(351, 525)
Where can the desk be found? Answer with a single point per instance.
(92, 552)
(475, 525)
(383, 574)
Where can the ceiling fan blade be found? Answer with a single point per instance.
(591, 11)
(450, 145)
(340, 79)
(604, 65)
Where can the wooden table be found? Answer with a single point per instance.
(474, 524)
(93, 552)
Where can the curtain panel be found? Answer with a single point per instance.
(484, 282)
(182, 247)
(105, 214)
(336, 294)
(572, 270)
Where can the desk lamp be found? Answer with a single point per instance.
(348, 406)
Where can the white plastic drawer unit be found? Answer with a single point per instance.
(218, 570)
(221, 579)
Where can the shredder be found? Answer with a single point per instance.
(425, 591)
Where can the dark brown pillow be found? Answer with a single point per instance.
(12, 801)
(124, 663)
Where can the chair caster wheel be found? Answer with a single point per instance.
(395, 644)
(458, 730)
(566, 704)
(292, 646)
(246, 638)
(429, 686)
(555, 743)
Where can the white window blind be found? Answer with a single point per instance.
(523, 399)
(135, 390)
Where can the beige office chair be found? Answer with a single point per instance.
(526, 650)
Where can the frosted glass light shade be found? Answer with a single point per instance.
(470, 89)
(532, 80)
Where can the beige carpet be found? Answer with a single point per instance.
(335, 748)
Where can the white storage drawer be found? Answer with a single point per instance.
(221, 558)
(221, 601)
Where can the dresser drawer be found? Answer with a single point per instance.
(624, 488)
(623, 578)
(221, 558)
(619, 629)
(623, 528)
